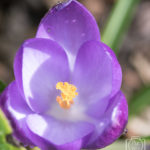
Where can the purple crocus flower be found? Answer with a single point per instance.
(66, 94)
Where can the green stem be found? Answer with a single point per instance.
(4, 125)
(118, 23)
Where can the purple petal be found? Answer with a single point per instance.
(70, 24)
(16, 111)
(111, 126)
(94, 75)
(116, 72)
(76, 145)
(58, 132)
(39, 65)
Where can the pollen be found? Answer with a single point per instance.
(68, 92)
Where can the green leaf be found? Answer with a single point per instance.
(118, 23)
(4, 125)
(2, 86)
(6, 146)
(139, 101)
(5, 129)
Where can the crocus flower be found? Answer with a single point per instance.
(66, 94)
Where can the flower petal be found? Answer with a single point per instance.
(93, 109)
(58, 132)
(76, 145)
(95, 73)
(116, 72)
(39, 65)
(111, 126)
(16, 111)
(70, 24)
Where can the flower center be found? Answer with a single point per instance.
(68, 92)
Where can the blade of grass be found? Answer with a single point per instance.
(2, 86)
(139, 101)
(147, 139)
(118, 23)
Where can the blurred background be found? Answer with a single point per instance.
(19, 20)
